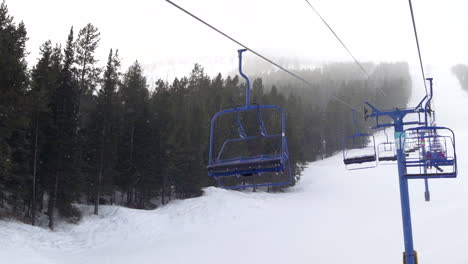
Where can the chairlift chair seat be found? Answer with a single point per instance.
(359, 160)
(356, 156)
(387, 153)
(388, 158)
(247, 166)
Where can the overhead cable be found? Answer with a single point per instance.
(254, 52)
(417, 44)
(342, 43)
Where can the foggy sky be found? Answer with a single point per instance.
(157, 34)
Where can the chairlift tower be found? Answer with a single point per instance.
(433, 156)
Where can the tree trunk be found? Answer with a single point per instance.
(99, 177)
(129, 197)
(164, 187)
(131, 143)
(33, 206)
(80, 94)
(53, 197)
(132, 190)
(113, 197)
(15, 203)
(41, 201)
(52, 204)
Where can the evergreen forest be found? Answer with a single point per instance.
(75, 131)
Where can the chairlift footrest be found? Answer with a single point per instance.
(430, 175)
(389, 158)
(359, 160)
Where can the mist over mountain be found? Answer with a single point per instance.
(461, 72)
(334, 78)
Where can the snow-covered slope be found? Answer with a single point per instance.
(331, 216)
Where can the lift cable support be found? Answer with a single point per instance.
(256, 53)
(434, 155)
(358, 153)
(251, 170)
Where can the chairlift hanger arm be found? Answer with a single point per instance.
(247, 81)
(427, 96)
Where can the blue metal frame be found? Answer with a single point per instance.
(398, 124)
(424, 162)
(254, 163)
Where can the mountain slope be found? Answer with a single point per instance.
(331, 216)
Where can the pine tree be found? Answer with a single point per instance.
(44, 81)
(87, 71)
(87, 75)
(65, 117)
(161, 105)
(133, 95)
(13, 120)
(103, 128)
(146, 157)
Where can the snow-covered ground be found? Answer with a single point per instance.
(332, 216)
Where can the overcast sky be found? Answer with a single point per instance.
(156, 33)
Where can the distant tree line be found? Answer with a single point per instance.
(72, 131)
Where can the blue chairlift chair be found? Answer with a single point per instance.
(261, 169)
(436, 157)
(358, 152)
(386, 151)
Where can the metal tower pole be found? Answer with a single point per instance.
(427, 193)
(410, 255)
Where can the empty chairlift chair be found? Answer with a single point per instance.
(264, 160)
(359, 150)
(387, 152)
